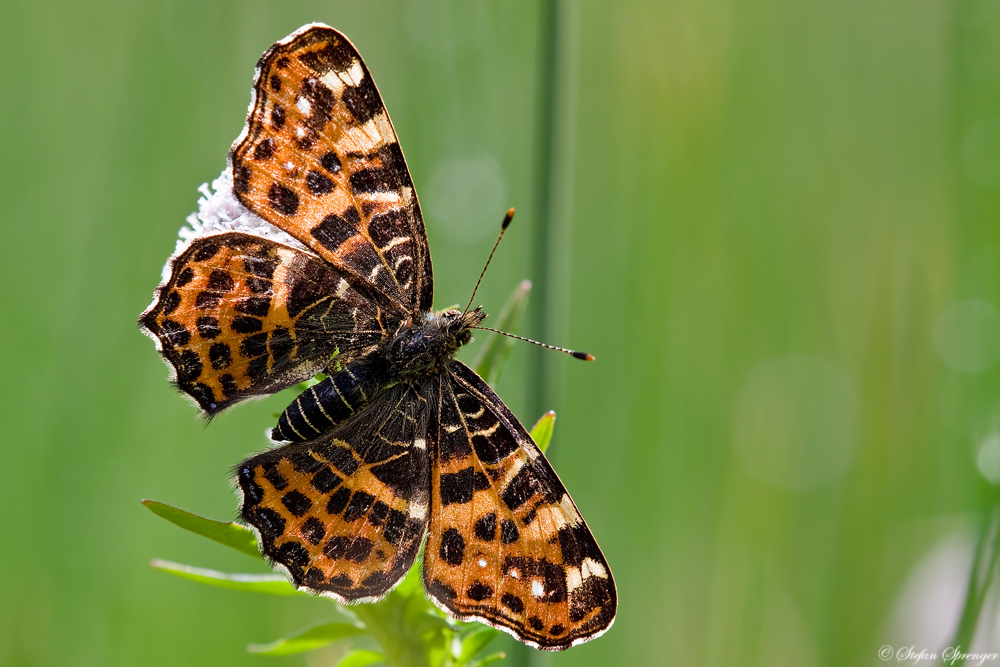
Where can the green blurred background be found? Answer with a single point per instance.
(775, 224)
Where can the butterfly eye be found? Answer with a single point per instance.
(464, 337)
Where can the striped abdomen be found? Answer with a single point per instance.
(322, 406)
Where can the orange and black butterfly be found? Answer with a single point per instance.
(318, 262)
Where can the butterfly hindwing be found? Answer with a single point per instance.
(238, 316)
(506, 544)
(345, 513)
(319, 159)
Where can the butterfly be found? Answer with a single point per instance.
(323, 267)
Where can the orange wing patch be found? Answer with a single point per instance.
(319, 159)
(345, 514)
(506, 544)
(238, 316)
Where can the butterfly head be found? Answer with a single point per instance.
(459, 325)
(424, 346)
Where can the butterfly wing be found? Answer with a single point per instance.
(345, 514)
(319, 159)
(506, 544)
(238, 316)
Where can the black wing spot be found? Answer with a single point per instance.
(171, 301)
(282, 199)
(184, 277)
(318, 183)
(512, 602)
(363, 100)
(270, 524)
(359, 506)
(189, 366)
(296, 503)
(220, 355)
(206, 252)
(277, 121)
(220, 281)
(264, 150)
(334, 229)
(313, 530)
(338, 501)
(175, 333)
(336, 547)
(486, 527)
(293, 553)
(359, 550)
(479, 591)
(246, 325)
(394, 527)
(509, 532)
(254, 305)
(330, 162)
(452, 547)
(208, 327)
(207, 300)
(325, 481)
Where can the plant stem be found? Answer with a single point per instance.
(981, 576)
(546, 110)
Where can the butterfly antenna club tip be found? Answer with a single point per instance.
(572, 353)
(507, 218)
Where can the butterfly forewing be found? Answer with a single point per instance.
(319, 159)
(506, 544)
(241, 316)
(345, 514)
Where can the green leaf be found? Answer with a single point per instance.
(492, 355)
(360, 658)
(475, 642)
(309, 639)
(410, 585)
(228, 533)
(541, 432)
(272, 584)
(493, 657)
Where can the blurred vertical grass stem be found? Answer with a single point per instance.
(981, 577)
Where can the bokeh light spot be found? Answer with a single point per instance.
(795, 422)
(465, 194)
(988, 457)
(981, 152)
(967, 336)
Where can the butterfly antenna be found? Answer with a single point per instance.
(503, 228)
(573, 353)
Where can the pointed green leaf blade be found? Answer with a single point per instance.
(228, 533)
(475, 642)
(493, 657)
(309, 639)
(361, 658)
(541, 432)
(489, 362)
(272, 584)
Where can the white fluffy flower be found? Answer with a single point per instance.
(219, 211)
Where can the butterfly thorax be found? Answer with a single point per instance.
(422, 349)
